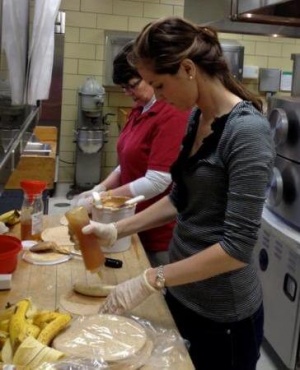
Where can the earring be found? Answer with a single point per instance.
(190, 77)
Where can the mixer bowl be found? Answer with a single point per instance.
(90, 141)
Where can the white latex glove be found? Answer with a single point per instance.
(107, 233)
(85, 199)
(128, 295)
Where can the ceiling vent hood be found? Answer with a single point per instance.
(260, 17)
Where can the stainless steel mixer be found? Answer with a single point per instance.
(90, 136)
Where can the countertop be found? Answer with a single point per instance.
(50, 287)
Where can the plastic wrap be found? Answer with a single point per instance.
(131, 343)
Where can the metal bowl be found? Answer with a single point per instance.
(90, 141)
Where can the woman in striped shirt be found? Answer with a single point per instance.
(220, 182)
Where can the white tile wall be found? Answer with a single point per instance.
(86, 22)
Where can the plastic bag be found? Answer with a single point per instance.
(162, 348)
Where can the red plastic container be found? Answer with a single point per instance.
(9, 250)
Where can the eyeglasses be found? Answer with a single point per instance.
(131, 86)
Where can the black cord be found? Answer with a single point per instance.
(61, 160)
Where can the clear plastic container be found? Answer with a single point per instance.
(32, 209)
(106, 215)
(89, 245)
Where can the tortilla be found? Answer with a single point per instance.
(59, 235)
(50, 258)
(107, 337)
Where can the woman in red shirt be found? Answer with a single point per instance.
(147, 146)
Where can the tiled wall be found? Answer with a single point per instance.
(86, 21)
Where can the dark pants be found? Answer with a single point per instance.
(219, 346)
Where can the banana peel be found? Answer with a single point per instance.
(31, 353)
(10, 218)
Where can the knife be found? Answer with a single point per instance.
(108, 262)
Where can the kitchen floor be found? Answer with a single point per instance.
(58, 204)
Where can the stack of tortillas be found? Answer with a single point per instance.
(119, 341)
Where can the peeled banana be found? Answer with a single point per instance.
(53, 328)
(10, 218)
(43, 318)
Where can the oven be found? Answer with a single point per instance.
(277, 252)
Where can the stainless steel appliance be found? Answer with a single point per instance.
(284, 198)
(277, 256)
(277, 253)
(268, 17)
(90, 136)
(234, 54)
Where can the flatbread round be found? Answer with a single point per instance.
(107, 337)
(80, 305)
(59, 235)
(50, 258)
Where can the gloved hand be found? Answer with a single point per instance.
(128, 295)
(85, 199)
(107, 233)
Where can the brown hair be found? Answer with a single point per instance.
(164, 43)
(122, 70)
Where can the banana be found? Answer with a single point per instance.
(4, 325)
(96, 290)
(29, 330)
(53, 328)
(11, 217)
(42, 318)
(17, 322)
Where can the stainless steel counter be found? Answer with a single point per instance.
(12, 143)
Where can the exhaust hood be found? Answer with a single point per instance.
(259, 17)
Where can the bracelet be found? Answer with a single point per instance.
(160, 279)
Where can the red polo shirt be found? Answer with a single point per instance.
(151, 141)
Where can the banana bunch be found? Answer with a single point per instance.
(25, 330)
(10, 218)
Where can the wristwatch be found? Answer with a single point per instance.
(160, 278)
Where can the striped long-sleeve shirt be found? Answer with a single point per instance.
(220, 193)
